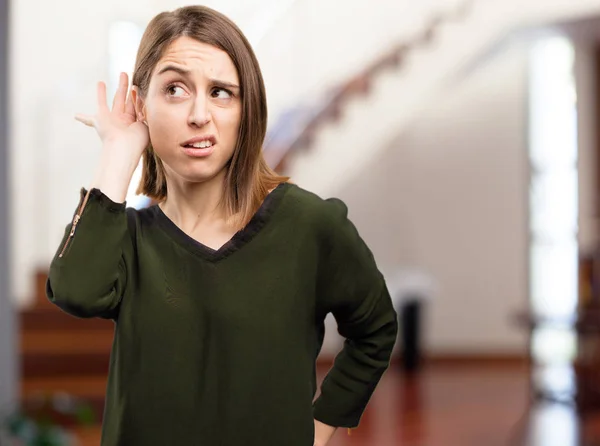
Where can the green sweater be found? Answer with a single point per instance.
(218, 347)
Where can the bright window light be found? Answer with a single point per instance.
(553, 196)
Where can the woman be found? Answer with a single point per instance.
(219, 292)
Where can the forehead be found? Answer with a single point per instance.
(195, 55)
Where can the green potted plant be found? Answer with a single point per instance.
(47, 420)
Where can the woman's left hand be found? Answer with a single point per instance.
(323, 433)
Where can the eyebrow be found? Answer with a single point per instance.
(186, 73)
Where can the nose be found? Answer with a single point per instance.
(200, 112)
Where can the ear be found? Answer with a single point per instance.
(139, 104)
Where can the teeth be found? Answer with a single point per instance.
(202, 144)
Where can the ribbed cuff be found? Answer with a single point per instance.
(331, 416)
(103, 200)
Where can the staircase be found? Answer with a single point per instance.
(63, 354)
(324, 144)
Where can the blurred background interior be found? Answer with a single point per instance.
(461, 134)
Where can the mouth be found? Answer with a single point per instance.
(198, 152)
(200, 142)
(200, 146)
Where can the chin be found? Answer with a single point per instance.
(198, 174)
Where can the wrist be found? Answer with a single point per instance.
(113, 181)
(117, 157)
(323, 433)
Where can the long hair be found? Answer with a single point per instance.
(248, 177)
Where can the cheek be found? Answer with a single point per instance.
(229, 124)
(163, 116)
(164, 122)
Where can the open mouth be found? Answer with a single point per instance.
(200, 145)
(199, 150)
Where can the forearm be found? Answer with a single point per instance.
(357, 369)
(114, 172)
(87, 276)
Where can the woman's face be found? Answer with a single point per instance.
(193, 97)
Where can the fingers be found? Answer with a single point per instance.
(87, 120)
(102, 105)
(119, 99)
(118, 102)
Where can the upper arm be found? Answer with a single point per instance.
(351, 286)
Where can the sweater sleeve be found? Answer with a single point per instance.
(353, 290)
(87, 275)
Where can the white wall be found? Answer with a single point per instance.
(456, 45)
(317, 44)
(449, 196)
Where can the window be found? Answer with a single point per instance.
(553, 196)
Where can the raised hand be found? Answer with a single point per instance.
(120, 124)
(124, 139)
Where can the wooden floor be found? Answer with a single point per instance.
(443, 405)
(458, 405)
(467, 405)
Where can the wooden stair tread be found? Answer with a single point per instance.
(53, 318)
(61, 353)
(38, 365)
(68, 341)
(81, 386)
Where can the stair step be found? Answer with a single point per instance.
(41, 277)
(66, 342)
(81, 386)
(53, 318)
(40, 365)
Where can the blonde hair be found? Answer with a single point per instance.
(249, 178)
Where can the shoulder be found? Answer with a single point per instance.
(325, 218)
(321, 213)
(346, 261)
(346, 257)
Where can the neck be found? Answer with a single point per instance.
(194, 204)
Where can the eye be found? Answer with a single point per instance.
(225, 94)
(173, 88)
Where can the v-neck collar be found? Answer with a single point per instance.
(239, 239)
